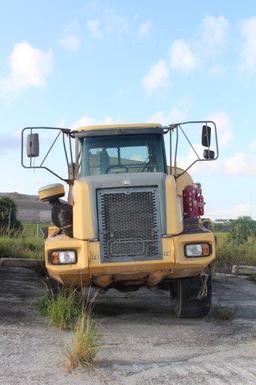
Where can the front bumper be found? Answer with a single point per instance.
(89, 268)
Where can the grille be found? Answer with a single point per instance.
(129, 224)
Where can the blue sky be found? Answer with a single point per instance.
(63, 63)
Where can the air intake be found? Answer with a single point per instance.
(129, 224)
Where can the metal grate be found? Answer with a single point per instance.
(129, 224)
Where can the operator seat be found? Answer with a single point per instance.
(104, 161)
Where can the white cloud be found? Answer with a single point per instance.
(216, 69)
(28, 67)
(188, 55)
(240, 209)
(182, 57)
(157, 77)
(94, 27)
(232, 212)
(70, 39)
(223, 124)
(177, 113)
(114, 22)
(184, 161)
(252, 145)
(213, 34)
(86, 120)
(145, 28)
(10, 142)
(186, 155)
(240, 164)
(248, 53)
(71, 42)
(200, 167)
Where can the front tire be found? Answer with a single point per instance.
(192, 297)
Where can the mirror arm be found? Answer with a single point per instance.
(65, 150)
(48, 152)
(191, 145)
(66, 131)
(170, 133)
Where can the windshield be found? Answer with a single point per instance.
(111, 154)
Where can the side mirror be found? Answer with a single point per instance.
(209, 154)
(33, 145)
(206, 136)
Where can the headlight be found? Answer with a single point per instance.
(197, 250)
(63, 257)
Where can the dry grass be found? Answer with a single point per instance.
(85, 344)
(72, 309)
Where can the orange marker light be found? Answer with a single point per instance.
(205, 249)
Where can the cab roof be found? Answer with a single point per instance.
(134, 126)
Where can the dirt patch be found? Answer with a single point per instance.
(143, 343)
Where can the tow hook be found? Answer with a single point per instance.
(204, 290)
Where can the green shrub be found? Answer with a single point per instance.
(242, 229)
(230, 252)
(9, 224)
(42, 305)
(64, 310)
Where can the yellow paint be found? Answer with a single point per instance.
(68, 274)
(118, 126)
(82, 211)
(156, 277)
(185, 267)
(53, 230)
(89, 268)
(173, 207)
(183, 181)
(51, 191)
(97, 267)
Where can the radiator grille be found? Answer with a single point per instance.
(129, 224)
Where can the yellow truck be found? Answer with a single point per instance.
(132, 218)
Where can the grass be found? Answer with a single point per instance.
(72, 310)
(223, 313)
(64, 309)
(32, 230)
(231, 253)
(27, 243)
(16, 247)
(85, 344)
(42, 305)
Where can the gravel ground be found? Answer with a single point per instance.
(143, 343)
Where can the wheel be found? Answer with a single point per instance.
(192, 296)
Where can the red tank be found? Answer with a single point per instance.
(193, 201)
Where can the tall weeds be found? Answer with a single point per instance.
(64, 309)
(230, 253)
(21, 248)
(73, 310)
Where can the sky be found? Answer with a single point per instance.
(66, 63)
